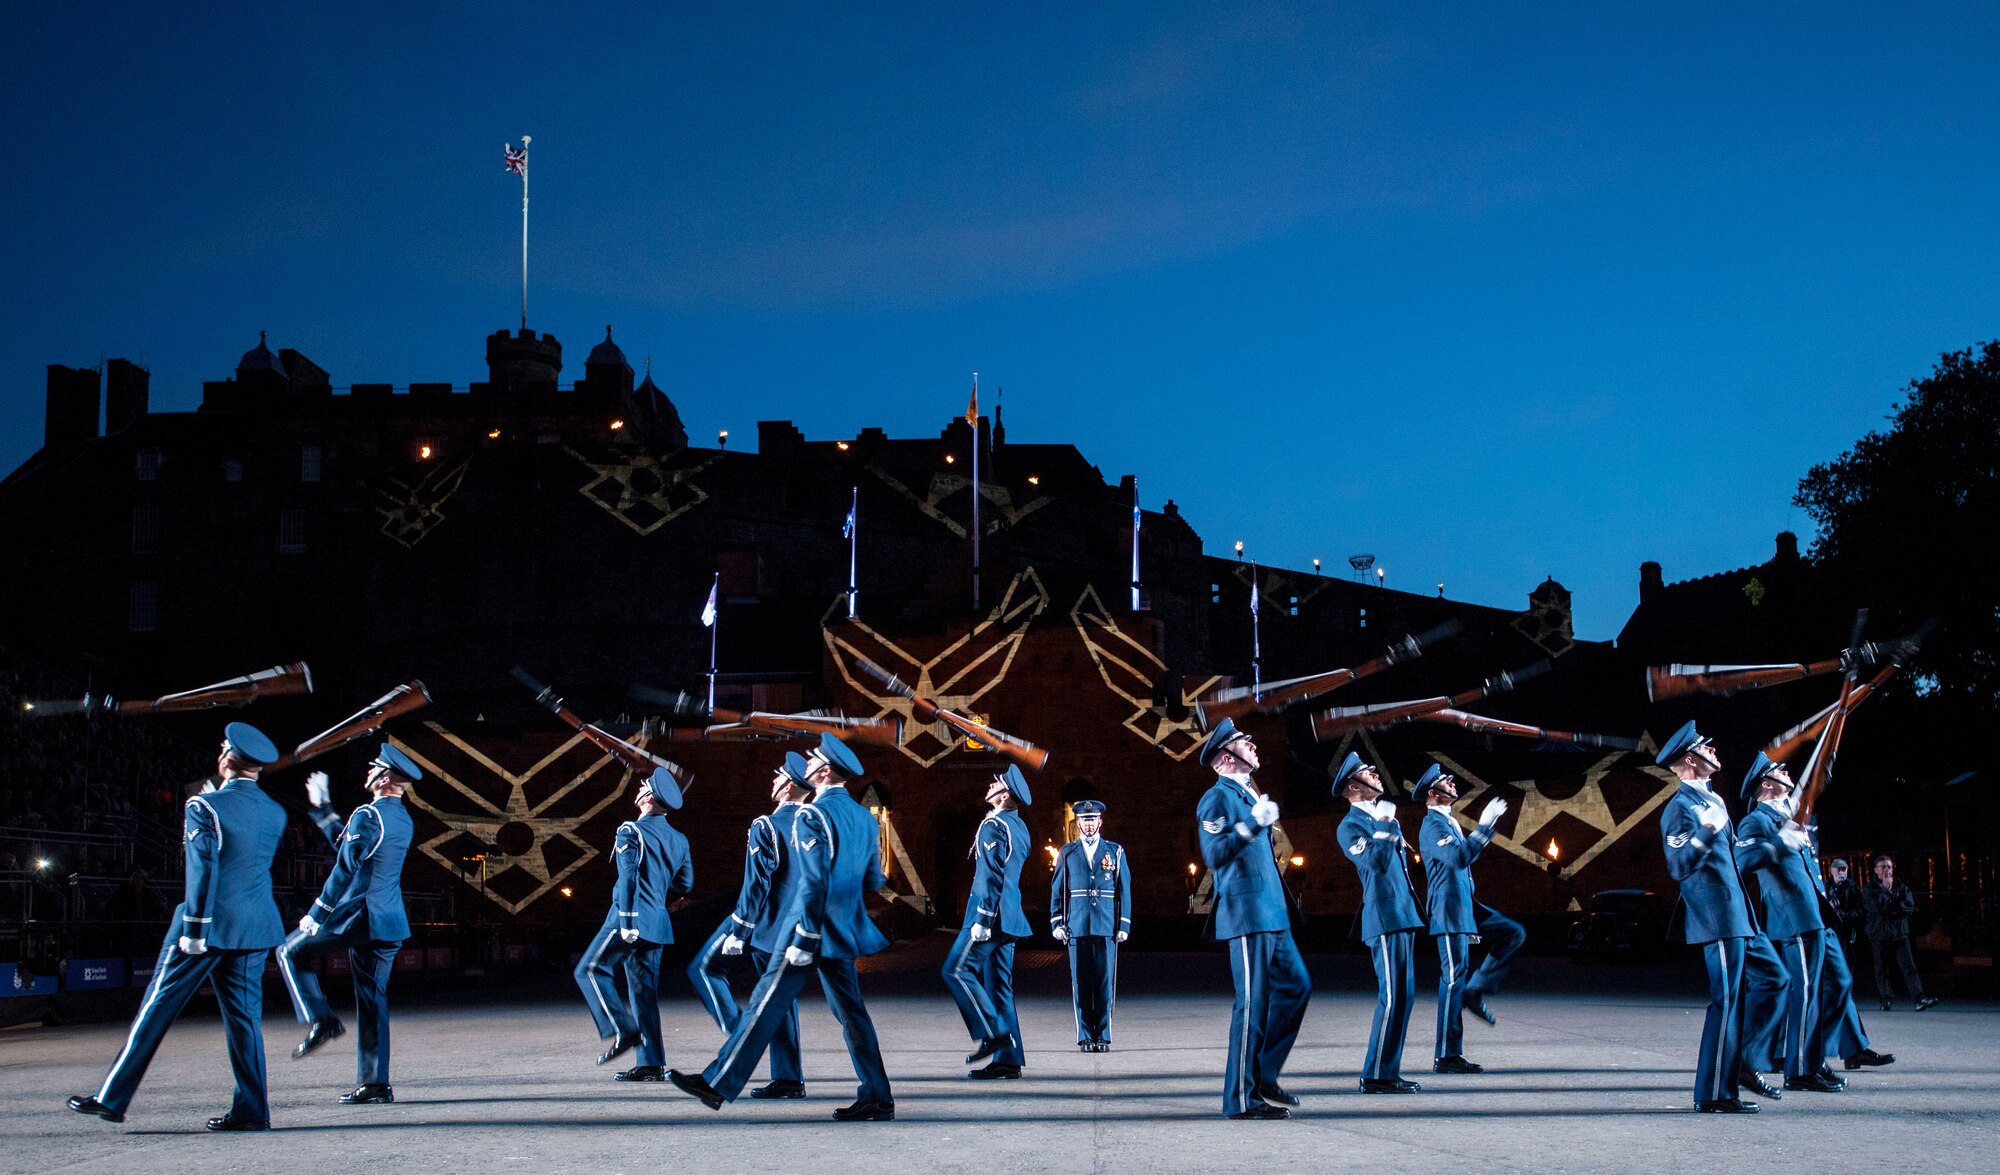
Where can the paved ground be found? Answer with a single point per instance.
(1588, 1071)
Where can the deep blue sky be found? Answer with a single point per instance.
(1491, 291)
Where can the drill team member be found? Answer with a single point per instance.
(653, 867)
(359, 910)
(769, 883)
(979, 971)
(228, 922)
(1090, 911)
(1456, 920)
(1250, 915)
(1389, 918)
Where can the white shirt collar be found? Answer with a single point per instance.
(1380, 809)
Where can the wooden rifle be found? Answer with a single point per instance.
(1237, 701)
(1341, 719)
(923, 709)
(1888, 656)
(1819, 767)
(1666, 682)
(277, 681)
(362, 723)
(1481, 724)
(635, 758)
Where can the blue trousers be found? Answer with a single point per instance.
(709, 975)
(1453, 952)
(1721, 1033)
(1272, 988)
(239, 993)
(1093, 985)
(1805, 1043)
(980, 977)
(1394, 955)
(775, 996)
(1501, 936)
(1841, 1031)
(1765, 987)
(370, 962)
(638, 1010)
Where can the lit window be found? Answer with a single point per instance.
(1215, 593)
(144, 612)
(145, 529)
(291, 532)
(149, 465)
(1364, 618)
(309, 463)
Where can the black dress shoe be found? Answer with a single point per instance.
(320, 1032)
(1271, 1091)
(778, 1089)
(1888, 1005)
(866, 1112)
(1814, 1083)
(1868, 1057)
(1102, 1046)
(1260, 1112)
(1826, 1073)
(1475, 1004)
(640, 1073)
(1408, 1086)
(996, 1071)
(694, 1085)
(368, 1095)
(90, 1105)
(623, 1043)
(1086, 1046)
(1455, 1064)
(987, 1048)
(1926, 1001)
(1727, 1105)
(230, 1121)
(1387, 1085)
(1752, 1080)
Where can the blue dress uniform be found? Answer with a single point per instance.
(1251, 915)
(980, 973)
(837, 848)
(232, 834)
(653, 866)
(1716, 917)
(1090, 900)
(770, 881)
(1788, 878)
(359, 910)
(1373, 843)
(1457, 921)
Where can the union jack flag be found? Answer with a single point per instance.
(517, 159)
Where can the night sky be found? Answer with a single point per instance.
(1493, 292)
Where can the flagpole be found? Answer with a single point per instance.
(525, 140)
(973, 419)
(1135, 544)
(1256, 639)
(714, 632)
(853, 550)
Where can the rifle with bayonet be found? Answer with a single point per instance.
(635, 758)
(1888, 656)
(1819, 767)
(277, 681)
(1341, 719)
(1481, 724)
(1237, 701)
(923, 709)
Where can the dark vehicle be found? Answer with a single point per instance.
(1620, 923)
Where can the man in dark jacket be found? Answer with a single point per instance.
(1889, 904)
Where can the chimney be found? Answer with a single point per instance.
(126, 393)
(71, 415)
(1650, 583)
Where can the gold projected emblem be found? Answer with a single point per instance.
(1129, 670)
(1000, 511)
(410, 511)
(515, 850)
(1612, 803)
(641, 489)
(956, 679)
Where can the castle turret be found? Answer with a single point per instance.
(519, 358)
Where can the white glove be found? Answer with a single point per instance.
(732, 945)
(629, 935)
(1491, 813)
(193, 946)
(1714, 816)
(794, 957)
(1244, 830)
(1378, 835)
(981, 933)
(1120, 937)
(319, 790)
(1265, 813)
(1061, 934)
(1794, 838)
(308, 924)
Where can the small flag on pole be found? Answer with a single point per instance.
(517, 159)
(847, 527)
(708, 609)
(972, 405)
